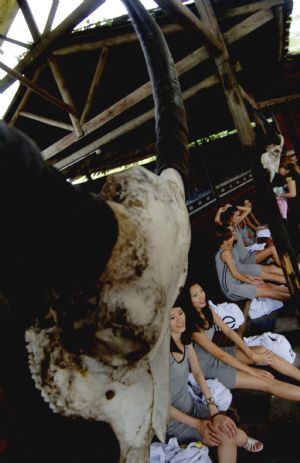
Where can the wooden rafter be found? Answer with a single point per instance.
(37, 89)
(277, 101)
(16, 42)
(95, 84)
(237, 32)
(47, 120)
(30, 21)
(66, 95)
(185, 17)
(251, 8)
(110, 41)
(133, 124)
(51, 16)
(278, 13)
(48, 41)
(26, 96)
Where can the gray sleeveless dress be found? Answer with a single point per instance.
(233, 289)
(181, 399)
(213, 367)
(245, 256)
(250, 269)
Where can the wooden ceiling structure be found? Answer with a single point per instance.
(86, 98)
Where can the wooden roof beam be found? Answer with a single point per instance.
(35, 88)
(185, 17)
(278, 100)
(48, 41)
(278, 13)
(66, 95)
(95, 84)
(30, 21)
(47, 120)
(25, 97)
(250, 8)
(193, 59)
(15, 42)
(110, 41)
(131, 125)
(51, 16)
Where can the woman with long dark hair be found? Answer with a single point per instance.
(231, 365)
(190, 420)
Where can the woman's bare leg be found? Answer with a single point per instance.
(280, 293)
(279, 364)
(272, 386)
(270, 276)
(268, 252)
(227, 450)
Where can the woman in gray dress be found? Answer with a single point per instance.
(191, 420)
(231, 365)
(235, 284)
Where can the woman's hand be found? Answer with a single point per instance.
(254, 280)
(265, 357)
(263, 374)
(224, 424)
(208, 432)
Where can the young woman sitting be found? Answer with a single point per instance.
(191, 420)
(233, 216)
(231, 365)
(234, 283)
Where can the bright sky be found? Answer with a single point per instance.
(10, 53)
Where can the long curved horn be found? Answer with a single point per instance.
(170, 118)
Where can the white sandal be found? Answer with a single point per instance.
(253, 445)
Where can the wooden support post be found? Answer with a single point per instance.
(57, 74)
(227, 76)
(40, 91)
(95, 84)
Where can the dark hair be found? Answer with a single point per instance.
(222, 233)
(193, 321)
(227, 215)
(186, 338)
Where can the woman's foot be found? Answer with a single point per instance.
(253, 445)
